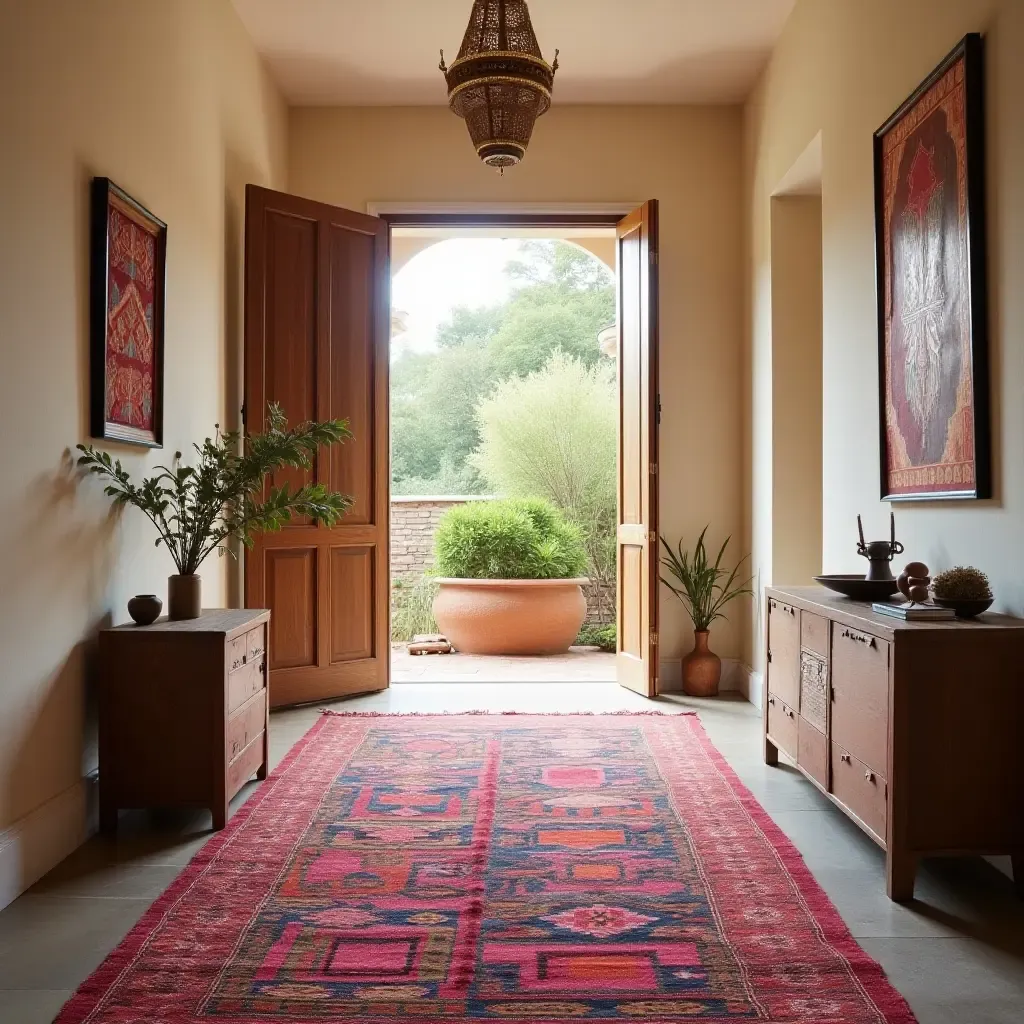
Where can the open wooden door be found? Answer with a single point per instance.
(637, 252)
(316, 342)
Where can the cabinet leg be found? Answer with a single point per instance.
(771, 753)
(1017, 862)
(220, 816)
(900, 872)
(264, 769)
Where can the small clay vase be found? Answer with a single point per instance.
(184, 596)
(702, 668)
(145, 608)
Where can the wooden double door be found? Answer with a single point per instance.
(317, 336)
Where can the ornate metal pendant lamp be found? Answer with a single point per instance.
(500, 83)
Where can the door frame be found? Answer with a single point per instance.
(497, 215)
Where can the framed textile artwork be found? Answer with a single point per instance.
(932, 308)
(128, 259)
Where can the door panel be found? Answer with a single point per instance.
(316, 342)
(637, 252)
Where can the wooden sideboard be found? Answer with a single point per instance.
(914, 729)
(183, 712)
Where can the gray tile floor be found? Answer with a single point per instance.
(956, 952)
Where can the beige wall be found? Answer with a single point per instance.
(841, 68)
(689, 159)
(796, 389)
(169, 100)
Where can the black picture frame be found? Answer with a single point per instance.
(970, 51)
(104, 195)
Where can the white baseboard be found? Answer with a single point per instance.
(735, 677)
(40, 840)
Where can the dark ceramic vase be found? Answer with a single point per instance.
(145, 608)
(184, 596)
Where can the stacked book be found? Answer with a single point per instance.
(912, 612)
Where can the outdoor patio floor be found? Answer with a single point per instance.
(579, 665)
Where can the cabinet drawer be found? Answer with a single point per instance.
(244, 682)
(860, 789)
(812, 751)
(782, 726)
(245, 724)
(860, 695)
(814, 633)
(238, 652)
(244, 766)
(256, 643)
(784, 652)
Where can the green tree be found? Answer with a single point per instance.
(562, 297)
(553, 435)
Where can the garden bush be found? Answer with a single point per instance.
(515, 539)
(412, 608)
(597, 636)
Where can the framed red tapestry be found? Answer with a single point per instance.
(128, 258)
(932, 310)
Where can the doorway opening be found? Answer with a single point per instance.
(503, 402)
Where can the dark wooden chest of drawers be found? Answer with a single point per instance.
(914, 729)
(183, 713)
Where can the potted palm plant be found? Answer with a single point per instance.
(510, 577)
(199, 509)
(704, 588)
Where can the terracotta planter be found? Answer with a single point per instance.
(702, 668)
(184, 597)
(510, 616)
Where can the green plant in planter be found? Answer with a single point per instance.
(198, 509)
(962, 583)
(704, 587)
(513, 539)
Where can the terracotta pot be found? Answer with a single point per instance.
(184, 596)
(145, 608)
(702, 669)
(510, 616)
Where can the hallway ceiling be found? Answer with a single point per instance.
(385, 52)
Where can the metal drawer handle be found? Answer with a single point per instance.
(860, 637)
(788, 712)
(870, 776)
(845, 758)
(771, 700)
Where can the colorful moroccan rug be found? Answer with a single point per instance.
(440, 869)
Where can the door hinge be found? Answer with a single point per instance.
(654, 469)
(654, 638)
(243, 414)
(769, 657)
(659, 410)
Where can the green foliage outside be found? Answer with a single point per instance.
(412, 607)
(562, 299)
(515, 539)
(553, 434)
(602, 637)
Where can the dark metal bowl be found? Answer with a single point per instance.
(964, 608)
(857, 587)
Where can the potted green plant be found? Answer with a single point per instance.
(509, 578)
(964, 589)
(199, 509)
(704, 588)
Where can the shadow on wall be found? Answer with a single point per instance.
(63, 560)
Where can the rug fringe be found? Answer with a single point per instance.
(528, 714)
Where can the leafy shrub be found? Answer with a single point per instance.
(554, 434)
(412, 608)
(603, 637)
(962, 583)
(516, 539)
